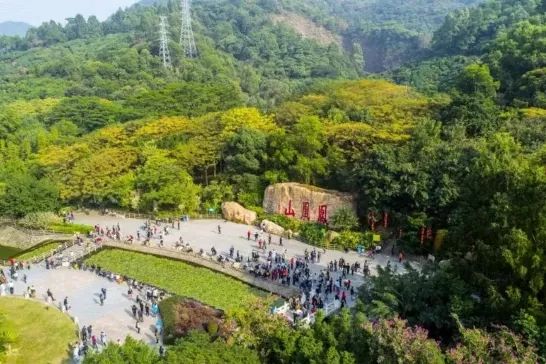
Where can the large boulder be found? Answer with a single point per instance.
(272, 228)
(290, 198)
(232, 211)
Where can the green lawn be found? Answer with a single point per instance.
(46, 248)
(7, 252)
(43, 332)
(212, 288)
(70, 228)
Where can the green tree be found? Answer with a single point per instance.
(165, 185)
(131, 351)
(474, 105)
(308, 140)
(199, 347)
(497, 231)
(344, 219)
(22, 193)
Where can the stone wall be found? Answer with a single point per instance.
(289, 199)
(23, 239)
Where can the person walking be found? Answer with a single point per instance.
(101, 299)
(50, 295)
(134, 309)
(137, 327)
(219, 229)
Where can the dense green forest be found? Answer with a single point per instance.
(455, 139)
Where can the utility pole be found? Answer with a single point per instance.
(164, 46)
(187, 40)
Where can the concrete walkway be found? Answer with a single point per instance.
(203, 234)
(82, 289)
(115, 317)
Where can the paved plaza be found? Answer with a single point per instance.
(82, 289)
(115, 318)
(203, 234)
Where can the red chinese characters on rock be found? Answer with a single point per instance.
(323, 214)
(289, 211)
(305, 211)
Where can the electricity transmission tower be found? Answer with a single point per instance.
(164, 46)
(187, 41)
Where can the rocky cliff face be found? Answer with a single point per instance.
(292, 199)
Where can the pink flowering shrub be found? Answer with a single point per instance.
(392, 341)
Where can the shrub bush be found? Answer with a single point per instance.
(69, 228)
(313, 233)
(182, 316)
(40, 220)
(351, 239)
(344, 219)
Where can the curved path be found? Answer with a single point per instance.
(203, 234)
(82, 289)
(115, 318)
(264, 284)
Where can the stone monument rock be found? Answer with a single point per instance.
(305, 202)
(232, 211)
(272, 228)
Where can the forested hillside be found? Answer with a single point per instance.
(505, 34)
(391, 32)
(90, 117)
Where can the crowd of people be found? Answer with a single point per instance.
(268, 260)
(320, 285)
(144, 301)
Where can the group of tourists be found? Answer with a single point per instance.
(113, 232)
(270, 261)
(88, 339)
(316, 289)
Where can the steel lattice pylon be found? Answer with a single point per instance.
(164, 43)
(187, 40)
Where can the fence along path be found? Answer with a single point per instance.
(71, 252)
(231, 269)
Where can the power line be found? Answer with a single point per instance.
(187, 40)
(164, 51)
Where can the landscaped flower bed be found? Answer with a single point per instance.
(202, 284)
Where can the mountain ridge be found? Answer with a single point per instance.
(14, 28)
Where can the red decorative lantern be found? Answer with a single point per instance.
(429, 233)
